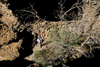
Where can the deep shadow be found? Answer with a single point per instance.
(20, 61)
(15, 63)
(1, 15)
(87, 62)
(20, 36)
(27, 44)
(35, 39)
(43, 7)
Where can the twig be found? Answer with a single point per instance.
(85, 41)
(29, 13)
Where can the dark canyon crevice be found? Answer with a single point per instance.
(26, 51)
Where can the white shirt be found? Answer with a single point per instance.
(39, 39)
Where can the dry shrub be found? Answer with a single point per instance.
(65, 37)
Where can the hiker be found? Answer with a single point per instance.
(39, 40)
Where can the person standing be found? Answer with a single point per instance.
(39, 41)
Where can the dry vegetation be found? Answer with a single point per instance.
(74, 37)
(66, 38)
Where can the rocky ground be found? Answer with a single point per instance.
(16, 40)
(8, 47)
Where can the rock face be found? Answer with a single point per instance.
(8, 48)
(7, 22)
(10, 51)
(89, 24)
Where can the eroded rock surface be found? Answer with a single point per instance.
(88, 25)
(8, 48)
(10, 51)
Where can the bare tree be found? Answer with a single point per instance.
(60, 13)
(28, 13)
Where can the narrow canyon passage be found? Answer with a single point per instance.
(26, 50)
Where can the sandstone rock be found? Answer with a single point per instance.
(10, 51)
(8, 22)
(36, 65)
(88, 24)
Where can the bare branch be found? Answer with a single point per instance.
(73, 7)
(85, 41)
(33, 8)
(29, 12)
